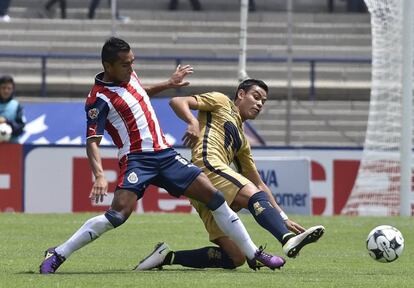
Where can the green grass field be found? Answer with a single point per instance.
(339, 259)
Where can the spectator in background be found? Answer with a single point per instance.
(92, 8)
(95, 3)
(62, 4)
(356, 6)
(11, 112)
(195, 3)
(252, 6)
(4, 8)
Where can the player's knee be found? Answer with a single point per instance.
(115, 218)
(216, 201)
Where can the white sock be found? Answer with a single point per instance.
(91, 230)
(229, 222)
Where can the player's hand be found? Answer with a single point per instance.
(177, 78)
(294, 227)
(192, 134)
(99, 189)
(2, 119)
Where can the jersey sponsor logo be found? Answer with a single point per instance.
(132, 178)
(93, 113)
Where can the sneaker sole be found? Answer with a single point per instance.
(311, 238)
(153, 252)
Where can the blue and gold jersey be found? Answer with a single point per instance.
(223, 140)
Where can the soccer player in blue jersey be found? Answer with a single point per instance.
(120, 104)
(217, 140)
(11, 112)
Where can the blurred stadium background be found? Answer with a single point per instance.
(322, 117)
(331, 53)
(308, 140)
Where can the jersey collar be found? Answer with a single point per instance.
(99, 81)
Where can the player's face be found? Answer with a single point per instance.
(250, 103)
(6, 90)
(121, 69)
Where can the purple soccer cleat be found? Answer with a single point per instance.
(51, 262)
(263, 259)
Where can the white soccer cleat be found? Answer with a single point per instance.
(155, 259)
(294, 244)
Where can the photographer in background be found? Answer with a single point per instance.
(11, 112)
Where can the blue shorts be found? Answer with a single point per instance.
(166, 169)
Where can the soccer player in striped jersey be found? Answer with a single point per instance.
(217, 140)
(119, 103)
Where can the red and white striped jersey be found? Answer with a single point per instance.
(125, 112)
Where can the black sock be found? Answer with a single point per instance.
(206, 257)
(267, 216)
(168, 258)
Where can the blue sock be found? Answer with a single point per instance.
(267, 216)
(206, 257)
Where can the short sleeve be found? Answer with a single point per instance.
(96, 114)
(211, 101)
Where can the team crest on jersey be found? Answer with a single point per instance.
(93, 113)
(132, 178)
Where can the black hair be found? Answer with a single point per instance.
(249, 83)
(6, 79)
(111, 49)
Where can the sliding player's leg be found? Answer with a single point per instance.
(229, 257)
(202, 190)
(180, 177)
(269, 218)
(257, 202)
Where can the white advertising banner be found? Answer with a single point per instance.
(58, 179)
(289, 180)
(49, 177)
(333, 173)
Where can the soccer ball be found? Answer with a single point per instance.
(5, 132)
(385, 243)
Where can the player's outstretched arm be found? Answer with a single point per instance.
(100, 186)
(176, 81)
(182, 107)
